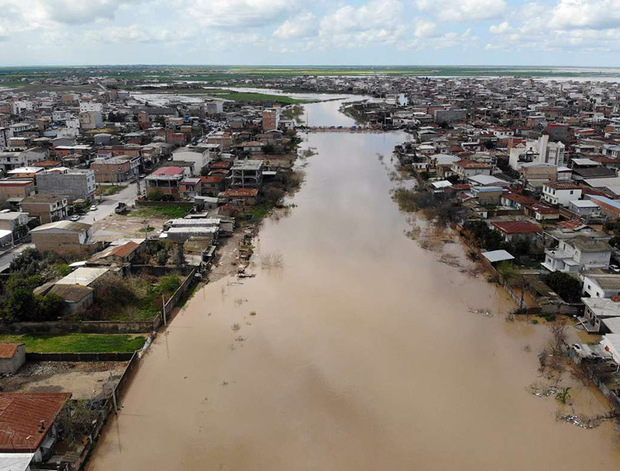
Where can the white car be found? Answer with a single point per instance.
(93, 208)
(75, 218)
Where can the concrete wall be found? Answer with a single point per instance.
(10, 366)
(71, 185)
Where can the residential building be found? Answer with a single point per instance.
(596, 312)
(514, 230)
(609, 207)
(584, 208)
(16, 190)
(12, 357)
(561, 193)
(167, 180)
(468, 168)
(271, 119)
(61, 236)
(116, 169)
(47, 208)
(601, 285)
(30, 419)
(247, 174)
(577, 254)
(71, 183)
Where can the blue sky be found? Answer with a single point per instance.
(319, 32)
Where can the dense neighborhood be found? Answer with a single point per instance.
(122, 197)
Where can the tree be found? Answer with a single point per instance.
(179, 256)
(567, 287)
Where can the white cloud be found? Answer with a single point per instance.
(300, 26)
(81, 11)
(137, 33)
(240, 13)
(376, 14)
(463, 10)
(424, 28)
(500, 28)
(596, 14)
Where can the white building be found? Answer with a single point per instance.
(540, 151)
(86, 106)
(601, 285)
(578, 254)
(561, 193)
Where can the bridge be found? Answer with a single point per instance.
(352, 129)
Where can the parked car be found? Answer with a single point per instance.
(74, 218)
(93, 207)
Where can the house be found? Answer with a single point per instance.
(488, 195)
(517, 230)
(124, 252)
(596, 311)
(601, 285)
(584, 208)
(213, 184)
(12, 357)
(16, 189)
(29, 422)
(167, 180)
(73, 184)
(241, 196)
(578, 254)
(84, 276)
(123, 168)
(48, 208)
(247, 174)
(487, 180)
(561, 193)
(609, 207)
(61, 236)
(468, 168)
(76, 297)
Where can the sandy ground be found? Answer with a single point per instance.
(116, 227)
(86, 380)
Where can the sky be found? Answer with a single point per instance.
(317, 32)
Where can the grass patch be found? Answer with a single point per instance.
(178, 210)
(78, 343)
(261, 210)
(108, 190)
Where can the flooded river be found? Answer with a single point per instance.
(360, 352)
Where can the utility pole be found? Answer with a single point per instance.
(163, 309)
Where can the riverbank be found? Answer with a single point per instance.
(355, 337)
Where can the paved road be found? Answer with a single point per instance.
(109, 203)
(7, 258)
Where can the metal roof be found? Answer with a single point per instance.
(497, 256)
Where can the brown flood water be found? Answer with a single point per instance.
(362, 353)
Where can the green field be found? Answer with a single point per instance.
(78, 343)
(11, 77)
(162, 211)
(243, 97)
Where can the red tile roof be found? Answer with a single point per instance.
(168, 171)
(8, 350)
(213, 179)
(517, 227)
(563, 186)
(125, 249)
(241, 192)
(472, 164)
(25, 419)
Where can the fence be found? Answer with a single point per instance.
(596, 379)
(88, 327)
(181, 290)
(75, 357)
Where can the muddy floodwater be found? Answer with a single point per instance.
(352, 349)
